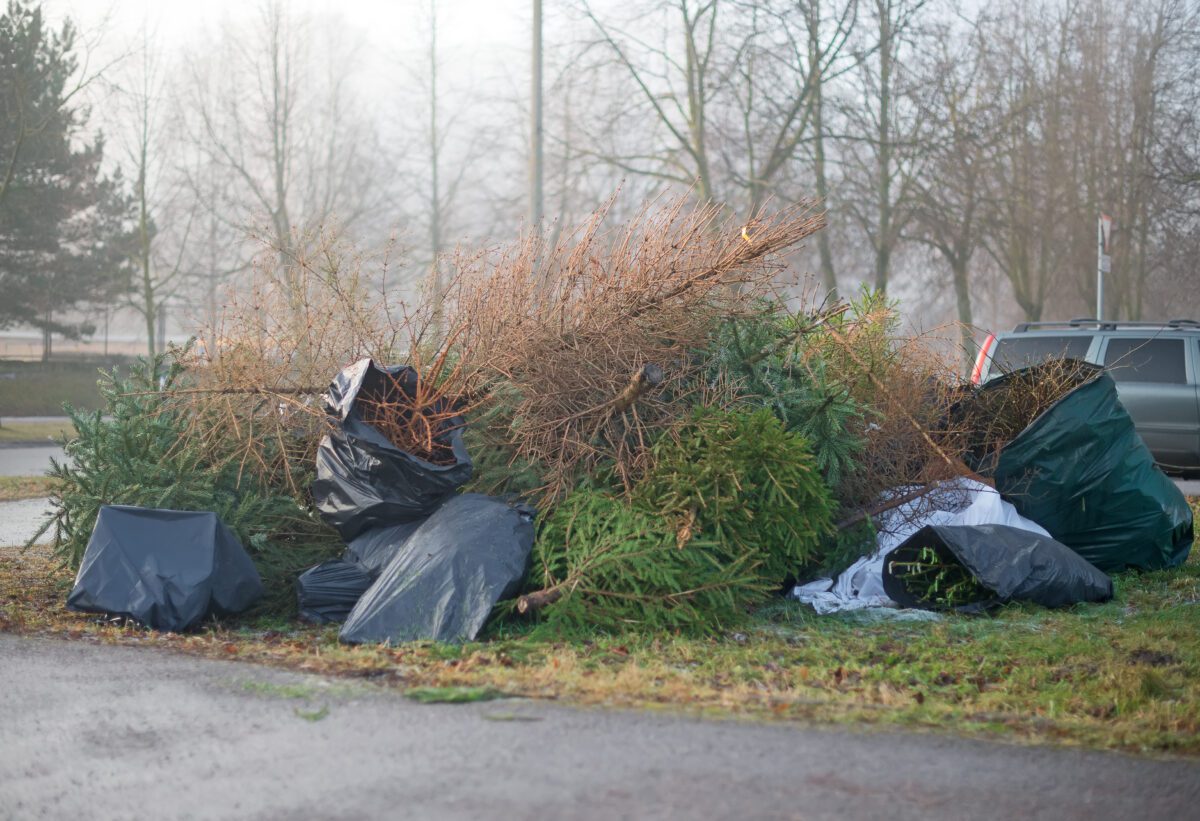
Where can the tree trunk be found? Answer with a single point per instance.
(883, 249)
(436, 285)
(962, 294)
(532, 602)
(828, 274)
(697, 127)
(149, 308)
(536, 163)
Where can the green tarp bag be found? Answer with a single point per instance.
(1081, 471)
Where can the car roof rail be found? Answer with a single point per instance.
(1105, 324)
(1078, 322)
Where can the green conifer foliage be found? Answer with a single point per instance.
(745, 483)
(498, 467)
(135, 452)
(65, 238)
(764, 356)
(732, 507)
(618, 567)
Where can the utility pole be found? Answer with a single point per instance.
(435, 198)
(535, 154)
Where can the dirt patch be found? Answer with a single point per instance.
(1152, 658)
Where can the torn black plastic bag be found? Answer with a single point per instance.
(374, 548)
(328, 592)
(167, 569)
(363, 480)
(1081, 471)
(473, 552)
(1013, 564)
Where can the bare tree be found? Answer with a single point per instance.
(960, 120)
(270, 108)
(822, 65)
(436, 283)
(440, 186)
(880, 145)
(536, 127)
(1025, 59)
(1093, 108)
(165, 212)
(788, 55)
(734, 93)
(675, 82)
(1136, 78)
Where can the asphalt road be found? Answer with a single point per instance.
(1189, 488)
(20, 520)
(118, 732)
(28, 460)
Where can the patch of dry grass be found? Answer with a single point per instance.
(14, 488)
(50, 433)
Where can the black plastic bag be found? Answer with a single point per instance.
(363, 480)
(1013, 564)
(1081, 471)
(329, 591)
(473, 552)
(374, 548)
(167, 569)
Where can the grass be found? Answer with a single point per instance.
(271, 690)
(305, 692)
(39, 389)
(14, 488)
(1124, 675)
(47, 432)
(312, 715)
(452, 695)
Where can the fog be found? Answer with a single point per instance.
(963, 154)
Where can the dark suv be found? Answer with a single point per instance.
(1156, 367)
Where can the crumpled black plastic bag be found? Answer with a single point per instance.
(373, 549)
(167, 569)
(1081, 471)
(363, 480)
(328, 592)
(470, 554)
(1014, 564)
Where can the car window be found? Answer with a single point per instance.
(1141, 359)
(1013, 352)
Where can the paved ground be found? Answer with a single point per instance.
(28, 461)
(1189, 488)
(118, 732)
(20, 520)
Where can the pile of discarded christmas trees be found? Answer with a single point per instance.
(632, 426)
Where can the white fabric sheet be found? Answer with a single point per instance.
(959, 502)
